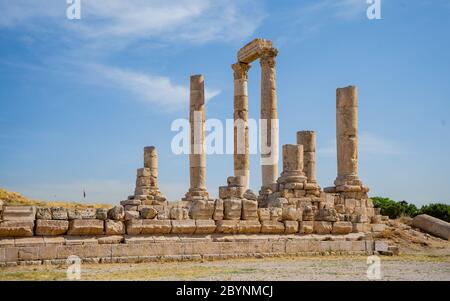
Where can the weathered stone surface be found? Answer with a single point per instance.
(179, 213)
(149, 213)
(250, 195)
(129, 215)
(134, 226)
(151, 226)
(272, 227)
(290, 227)
(249, 226)
(88, 213)
(432, 225)
(202, 209)
(306, 227)
(249, 209)
(291, 214)
(205, 226)
(342, 228)
(43, 213)
(361, 227)
(19, 213)
(16, 228)
(59, 214)
(51, 227)
(131, 202)
(232, 209)
(183, 226)
(113, 227)
(110, 239)
(74, 214)
(378, 227)
(218, 210)
(276, 214)
(264, 214)
(227, 226)
(85, 227)
(116, 213)
(321, 227)
(101, 214)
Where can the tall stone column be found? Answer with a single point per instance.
(269, 118)
(151, 162)
(197, 157)
(308, 140)
(147, 177)
(347, 136)
(241, 146)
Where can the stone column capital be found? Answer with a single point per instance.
(240, 70)
(267, 57)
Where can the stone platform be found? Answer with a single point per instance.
(145, 248)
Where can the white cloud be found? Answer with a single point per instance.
(369, 144)
(153, 89)
(197, 21)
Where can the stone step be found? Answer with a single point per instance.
(19, 213)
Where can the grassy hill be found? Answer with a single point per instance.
(16, 199)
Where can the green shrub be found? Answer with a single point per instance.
(441, 211)
(394, 209)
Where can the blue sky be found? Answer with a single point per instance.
(81, 98)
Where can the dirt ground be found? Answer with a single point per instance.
(403, 267)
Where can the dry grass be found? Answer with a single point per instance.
(16, 199)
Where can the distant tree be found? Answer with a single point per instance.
(438, 210)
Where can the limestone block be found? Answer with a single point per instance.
(179, 213)
(113, 227)
(218, 210)
(85, 227)
(74, 214)
(131, 203)
(43, 213)
(272, 227)
(183, 226)
(238, 181)
(249, 209)
(381, 246)
(133, 208)
(227, 226)
(149, 213)
(290, 226)
(151, 226)
(306, 227)
(264, 214)
(59, 214)
(89, 213)
(361, 227)
(19, 213)
(116, 213)
(16, 228)
(134, 226)
(51, 227)
(205, 226)
(202, 209)
(143, 172)
(342, 228)
(101, 214)
(232, 209)
(249, 226)
(432, 225)
(291, 214)
(110, 239)
(276, 214)
(129, 215)
(321, 227)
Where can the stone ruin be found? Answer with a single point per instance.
(290, 215)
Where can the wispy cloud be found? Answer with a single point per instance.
(369, 143)
(153, 89)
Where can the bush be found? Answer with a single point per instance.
(440, 211)
(394, 209)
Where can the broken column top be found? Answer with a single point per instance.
(347, 97)
(307, 139)
(252, 50)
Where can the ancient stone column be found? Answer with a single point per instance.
(151, 162)
(308, 140)
(347, 136)
(197, 157)
(269, 118)
(241, 147)
(292, 164)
